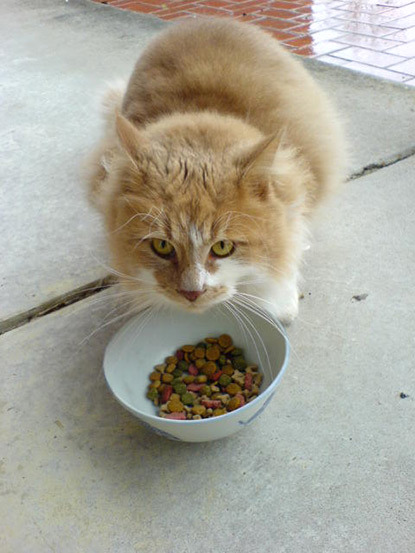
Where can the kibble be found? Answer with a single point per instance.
(175, 406)
(233, 389)
(188, 349)
(209, 369)
(180, 388)
(225, 341)
(187, 398)
(200, 353)
(224, 380)
(213, 353)
(208, 379)
(199, 410)
(160, 368)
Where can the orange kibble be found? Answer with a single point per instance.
(225, 341)
(167, 377)
(233, 403)
(188, 349)
(213, 353)
(233, 389)
(199, 353)
(154, 376)
(209, 369)
(171, 360)
(175, 406)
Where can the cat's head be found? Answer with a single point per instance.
(199, 206)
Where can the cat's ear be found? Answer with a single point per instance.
(261, 155)
(257, 162)
(129, 136)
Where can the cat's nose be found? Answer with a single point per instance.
(191, 295)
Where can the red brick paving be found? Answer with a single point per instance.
(372, 36)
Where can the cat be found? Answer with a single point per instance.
(213, 159)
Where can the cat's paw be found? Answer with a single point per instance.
(280, 299)
(290, 311)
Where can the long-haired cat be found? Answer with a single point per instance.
(213, 158)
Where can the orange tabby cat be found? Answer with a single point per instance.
(212, 160)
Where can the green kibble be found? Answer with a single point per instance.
(239, 363)
(201, 345)
(152, 394)
(206, 391)
(177, 373)
(180, 388)
(236, 352)
(182, 366)
(187, 398)
(224, 380)
(176, 381)
(222, 360)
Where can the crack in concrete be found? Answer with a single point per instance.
(99, 285)
(57, 303)
(382, 164)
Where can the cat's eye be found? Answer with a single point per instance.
(223, 248)
(162, 248)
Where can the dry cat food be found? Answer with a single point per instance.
(209, 379)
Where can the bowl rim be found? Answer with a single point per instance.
(211, 420)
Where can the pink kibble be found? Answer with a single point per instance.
(193, 387)
(176, 416)
(211, 403)
(179, 355)
(193, 370)
(248, 381)
(167, 392)
(241, 398)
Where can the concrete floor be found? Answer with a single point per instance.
(329, 466)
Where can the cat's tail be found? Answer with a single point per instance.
(96, 167)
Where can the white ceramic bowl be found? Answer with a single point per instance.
(136, 349)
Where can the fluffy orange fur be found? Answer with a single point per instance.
(220, 135)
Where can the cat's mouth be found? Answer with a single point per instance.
(198, 301)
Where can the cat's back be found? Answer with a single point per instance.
(212, 64)
(237, 69)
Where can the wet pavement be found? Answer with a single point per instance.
(376, 37)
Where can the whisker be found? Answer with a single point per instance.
(264, 315)
(256, 297)
(237, 318)
(115, 319)
(248, 321)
